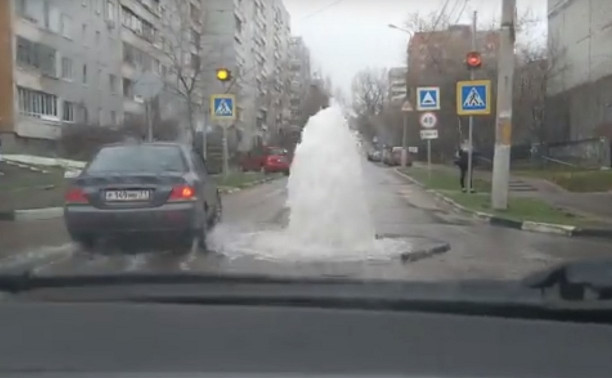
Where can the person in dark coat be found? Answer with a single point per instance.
(461, 161)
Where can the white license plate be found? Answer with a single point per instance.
(127, 195)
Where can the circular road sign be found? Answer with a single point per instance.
(428, 120)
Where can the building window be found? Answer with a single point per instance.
(84, 73)
(84, 114)
(66, 26)
(195, 37)
(68, 111)
(37, 104)
(194, 12)
(128, 87)
(36, 55)
(195, 62)
(112, 83)
(147, 31)
(110, 10)
(66, 68)
(238, 24)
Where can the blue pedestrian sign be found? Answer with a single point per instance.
(474, 97)
(223, 107)
(428, 98)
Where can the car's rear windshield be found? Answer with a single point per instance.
(149, 159)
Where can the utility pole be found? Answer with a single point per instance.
(149, 116)
(471, 122)
(503, 124)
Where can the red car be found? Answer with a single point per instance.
(268, 160)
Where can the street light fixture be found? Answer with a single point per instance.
(393, 26)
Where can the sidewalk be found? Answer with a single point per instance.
(596, 206)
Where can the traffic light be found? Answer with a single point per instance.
(223, 74)
(473, 60)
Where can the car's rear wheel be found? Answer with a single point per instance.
(218, 211)
(193, 243)
(85, 241)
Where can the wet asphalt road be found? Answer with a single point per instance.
(399, 209)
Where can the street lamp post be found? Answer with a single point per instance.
(405, 110)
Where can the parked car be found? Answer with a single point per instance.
(396, 157)
(387, 157)
(267, 159)
(143, 192)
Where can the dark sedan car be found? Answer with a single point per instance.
(145, 192)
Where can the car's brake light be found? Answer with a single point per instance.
(75, 195)
(182, 193)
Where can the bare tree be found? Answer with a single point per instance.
(369, 90)
(181, 33)
(538, 64)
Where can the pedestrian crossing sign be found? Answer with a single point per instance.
(223, 107)
(428, 98)
(474, 97)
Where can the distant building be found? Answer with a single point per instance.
(580, 87)
(397, 84)
(60, 63)
(435, 56)
(67, 62)
(300, 78)
(250, 38)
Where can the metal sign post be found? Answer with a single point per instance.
(429, 159)
(428, 122)
(223, 109)
(406, 108)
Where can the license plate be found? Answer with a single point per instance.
(127, 195)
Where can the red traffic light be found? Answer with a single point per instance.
(473, 59)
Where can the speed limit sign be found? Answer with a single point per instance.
(428, 120)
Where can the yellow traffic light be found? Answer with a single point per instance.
(223, 74)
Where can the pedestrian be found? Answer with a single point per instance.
(461, 160)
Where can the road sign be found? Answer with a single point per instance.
(428, 98)
(428, 120)
(429, 134)
(474, 97)
(407, 107)
(147, 86)
(223, 107)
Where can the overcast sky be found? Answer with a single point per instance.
(345, 36)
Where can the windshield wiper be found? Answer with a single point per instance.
(576, 281)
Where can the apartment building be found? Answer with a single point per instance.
(59, 65)
(436, 56)
(150, 30)
(396, 82)
(250, 38)
(77, 62)
(300, 77)
(579, 86)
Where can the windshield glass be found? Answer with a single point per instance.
(420, 140)
(148, 159)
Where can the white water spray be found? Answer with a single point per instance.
(325, 189)
(329, 218)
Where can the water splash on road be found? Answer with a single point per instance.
(329, 217)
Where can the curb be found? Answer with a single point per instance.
(424, 253)
(530, 226)
(25, 166)
(230, 190)
(32, 214)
